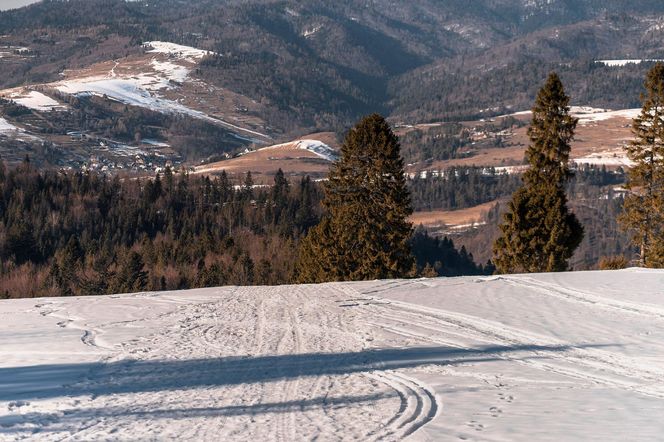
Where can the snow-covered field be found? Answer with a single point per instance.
(35, 100)
(574, 356)
(588, 115)
(621, 63)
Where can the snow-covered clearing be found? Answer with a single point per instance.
(175, 50)
(574, 356)
(7, 127)
(36, 100)
(612, 157)
(9, 130)
(588, 115)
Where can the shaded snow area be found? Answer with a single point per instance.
(317, 147)
(9, 130)
(550, 357)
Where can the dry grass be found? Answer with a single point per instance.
(264, 163)
(452, 217)
(600, 136)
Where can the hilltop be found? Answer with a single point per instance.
(469, 358)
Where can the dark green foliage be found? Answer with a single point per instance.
(461, 187)
(643, 213)
(365, 232)
(438, 257)
(131, 277)
(86, 234)
(539, 233)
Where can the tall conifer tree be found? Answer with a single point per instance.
(365, 232)
(539, 233)
(643, 211)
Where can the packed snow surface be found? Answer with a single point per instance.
(547, 357)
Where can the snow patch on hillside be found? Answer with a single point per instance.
(7, 127)
(622, 63)
(318, 147)
(171, 71)
(181, 52)
(588, 115)
(613, 157)
(36, 101)
(9, 130)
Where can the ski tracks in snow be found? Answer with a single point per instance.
(325, 362)
(588, 363)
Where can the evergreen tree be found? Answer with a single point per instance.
(131, 277)
(539, 233)
(365, 232)
(643, 211)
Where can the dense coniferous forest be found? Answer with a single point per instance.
(84, 233)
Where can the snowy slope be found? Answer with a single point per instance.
(574, 356)
(315, 146)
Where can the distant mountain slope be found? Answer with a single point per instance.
(317, 66)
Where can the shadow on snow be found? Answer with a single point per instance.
(136, 376)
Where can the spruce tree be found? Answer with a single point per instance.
(365, 231)
(539, 233)
(643, 211)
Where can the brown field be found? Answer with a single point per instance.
(451, 218)
(600, 136)
(264, 163)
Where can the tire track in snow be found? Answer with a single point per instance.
(419, 404)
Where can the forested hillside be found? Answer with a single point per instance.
(84, 233)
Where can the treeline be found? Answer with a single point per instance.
(461, 187)
(88, 234)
